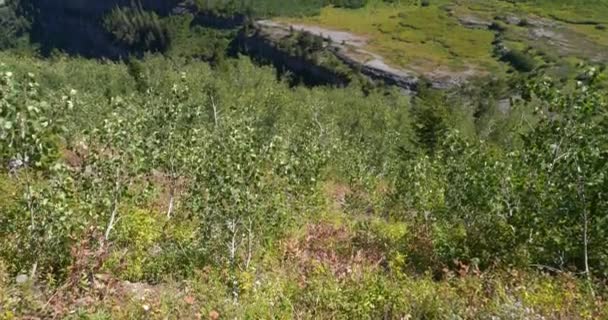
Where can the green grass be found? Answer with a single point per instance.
(422, 38)
(431, 38)
(576, 11)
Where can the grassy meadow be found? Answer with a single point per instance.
(428, 37)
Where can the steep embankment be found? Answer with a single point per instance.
(349, 49)
(263, 44)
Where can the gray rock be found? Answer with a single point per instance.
(514, 20)
(376, 69)
(504, 105)
(474, 22)
(17, 163)
(21, 279)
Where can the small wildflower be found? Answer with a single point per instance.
(146, 307)
(9, 74)
(73, 92)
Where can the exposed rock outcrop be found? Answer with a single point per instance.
(348, 48)
(262, 46)
(474, 22)
(376, 69)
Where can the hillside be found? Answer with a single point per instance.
(308, 159)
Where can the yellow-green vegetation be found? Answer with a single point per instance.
(597, 33)
(176, 198)
(451, 36)
(420, 38)
(571, 11)
(166, 187)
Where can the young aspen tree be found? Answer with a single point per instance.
(28, 127)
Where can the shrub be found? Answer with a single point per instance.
(519, 60)
(523, 23)
(136, 242)
(498, 26)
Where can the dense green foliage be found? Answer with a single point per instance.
(164, 171)
(266, 8)
(13, 25)
(519, 60)
(167, 187)
(137, 29)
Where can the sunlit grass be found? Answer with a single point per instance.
(427, 38)
(422, 38)
(570, 10)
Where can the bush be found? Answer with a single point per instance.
(519, 60)
(498, 26)
(136, 242)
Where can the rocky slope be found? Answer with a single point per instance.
(348, 48)
(262, 45)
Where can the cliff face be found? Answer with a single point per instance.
(406, 81)
(261, 47)
(75, 26)
(269, 32)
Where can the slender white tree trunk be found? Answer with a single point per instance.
(114, 206)
(215, 116)
(30, 207)
(249, 244)
(172, 187)
(171, 201)
(232, 246)
(586, 242)
(112, 219)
